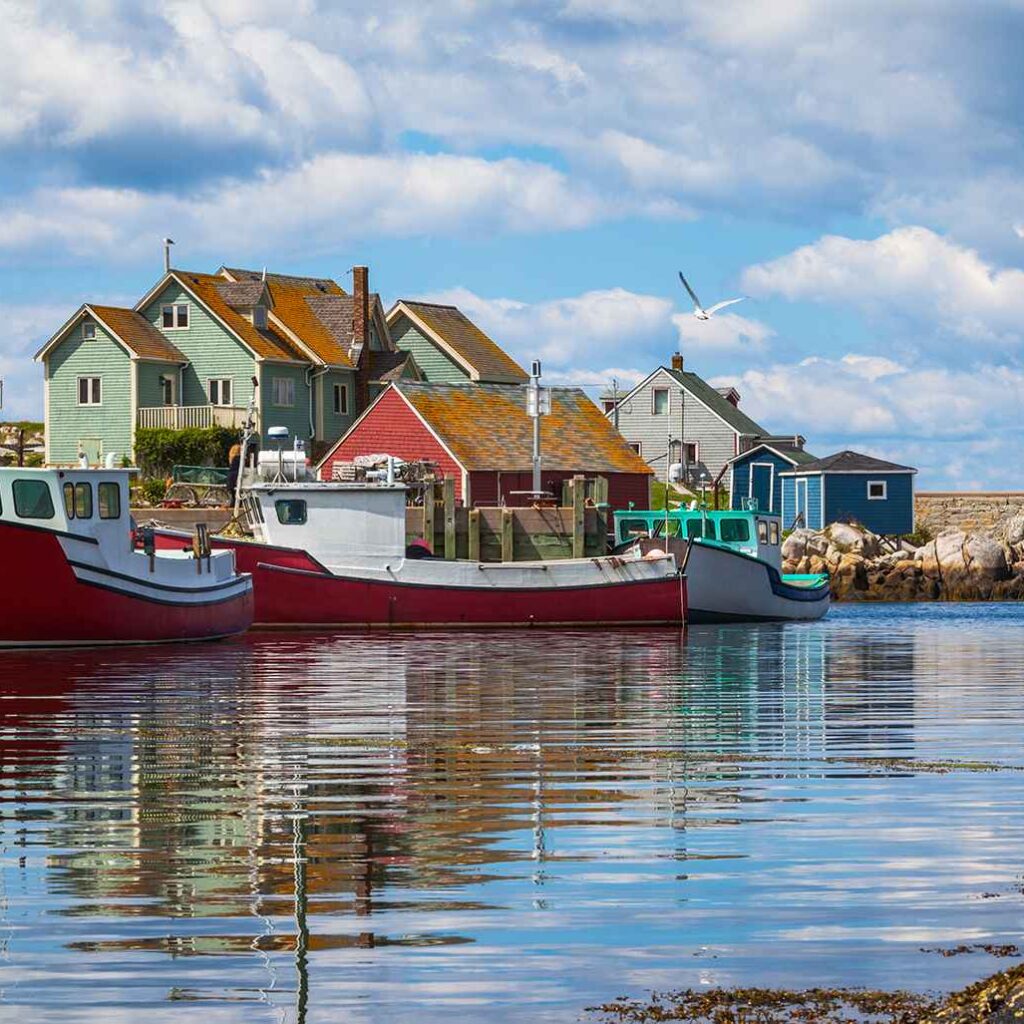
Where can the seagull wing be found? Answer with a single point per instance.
(722, 305)
(693, 294)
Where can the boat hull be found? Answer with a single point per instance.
(62, 596)
(728, 586)
(293, 589)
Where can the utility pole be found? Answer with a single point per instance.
(615, 402)
(538, 403)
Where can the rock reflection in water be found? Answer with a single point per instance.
(512, 825)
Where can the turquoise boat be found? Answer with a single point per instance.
(733, 563)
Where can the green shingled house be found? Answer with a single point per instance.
(448, 347)
(195, 345)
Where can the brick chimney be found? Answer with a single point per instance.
(360, 306)
(677, 360)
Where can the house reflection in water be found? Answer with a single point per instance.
(278, 798)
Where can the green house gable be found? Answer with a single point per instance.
(435, 366)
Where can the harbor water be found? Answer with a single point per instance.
(509, 827)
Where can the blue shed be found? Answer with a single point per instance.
(755, 473)
(849, 487)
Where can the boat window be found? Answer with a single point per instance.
(32, 499)
(109, 501)
(762, 532)
(700, 528)
(83, 501)
(773, 533)
(291, 511)
(735, 530)
(69, 500)
(633, 528)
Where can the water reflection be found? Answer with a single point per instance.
(403, 827)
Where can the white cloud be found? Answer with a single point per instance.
(724, 332)
(911, 273)
(324, 202)
(582, 331)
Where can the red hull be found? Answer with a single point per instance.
(293, 589)
(48, 605)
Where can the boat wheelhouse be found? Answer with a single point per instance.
(77, 577)
(733, 563)
(334, 555)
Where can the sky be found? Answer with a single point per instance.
(853, 169)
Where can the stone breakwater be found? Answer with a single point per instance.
(955, 566)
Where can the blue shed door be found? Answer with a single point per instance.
(761, 479)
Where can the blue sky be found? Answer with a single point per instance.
(854, 169)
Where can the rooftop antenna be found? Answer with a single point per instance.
(264, 276)
(168, 242)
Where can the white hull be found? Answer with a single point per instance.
(727, 586)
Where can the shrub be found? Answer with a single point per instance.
(153, 490)
(159, 449)
(921, 536)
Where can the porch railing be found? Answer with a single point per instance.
(180, 417)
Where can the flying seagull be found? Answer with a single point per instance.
(698, 310)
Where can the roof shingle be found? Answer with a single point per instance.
(137, 333)
(851, 462)
(487, 428)
(466, 340)
(717, 403)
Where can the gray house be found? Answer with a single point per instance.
(673, 416)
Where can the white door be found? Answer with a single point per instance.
(800, 493)
(92, 449)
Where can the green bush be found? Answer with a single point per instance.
(153, 490)
(158, 449)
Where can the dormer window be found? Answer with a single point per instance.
(88, 330)
(259, 317)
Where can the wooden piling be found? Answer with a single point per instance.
(449, 518)
(473, 534)
(428, 513)
(578, 520)
(507, 546)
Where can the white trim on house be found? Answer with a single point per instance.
(471, 370)
(884, 484)
(774, 451)
(339, 389)
(668, 401)
(133, 403)
(90, 391)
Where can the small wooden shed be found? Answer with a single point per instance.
(481, 435)
(849, 487)
(755, 475)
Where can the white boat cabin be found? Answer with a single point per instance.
(337, 523)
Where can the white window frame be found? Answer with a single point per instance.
(668, 402)
(696, 451)
(220, 382)
(637, 446)
(884, 496)
(168, 378)
(175, 308)
(90, 391)
(88, 330)
(259, 317)
(278, 381)
(771, 483)
(340, 407)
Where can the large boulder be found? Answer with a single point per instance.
(794, 547)
(1014, 530)
(847, 538)
(958, 553)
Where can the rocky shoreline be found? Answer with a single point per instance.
(954, 566)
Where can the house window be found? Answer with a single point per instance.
(167, 390)
(659, 401)
(290, 511)
(609, 405)
(691, 450)
(88, 330)
(878, 490)
(90, 391)
(341, 399)
(109, 501)
(259, 317)
(284, 391)
(32, 499)
(637, 447)
(219, 390)
(175, 317)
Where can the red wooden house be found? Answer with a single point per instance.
(482, 435)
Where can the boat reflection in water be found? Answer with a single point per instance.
(393, 827)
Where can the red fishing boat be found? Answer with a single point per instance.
(334, 555)
(75, 576)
